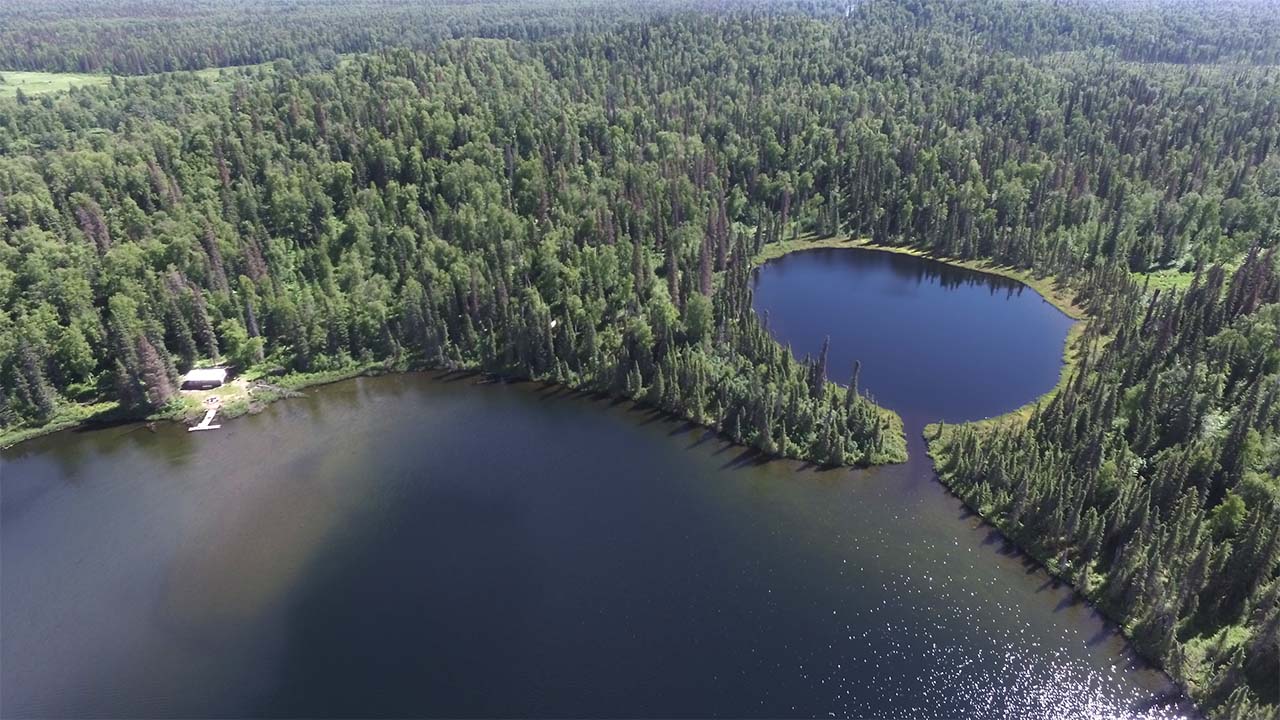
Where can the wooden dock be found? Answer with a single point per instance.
(207, 422)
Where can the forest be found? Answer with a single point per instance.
(577, 192)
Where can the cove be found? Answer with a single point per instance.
(419, 545)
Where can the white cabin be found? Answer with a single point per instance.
(204, 379)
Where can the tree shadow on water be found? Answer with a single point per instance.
(683, 428)
(453, 376)
(558, 392)
(1070, 600)
(995, 537)
(1167, 699)
(651, 416)
(748, 457)
(726, 446)
(706, 435)
(1106, 631)
(1050, 583)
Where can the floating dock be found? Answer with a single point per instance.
(207, 422)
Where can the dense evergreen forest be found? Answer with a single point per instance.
(575, 191)
(1150, 481)
(139, 37)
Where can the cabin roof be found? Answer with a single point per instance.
(204, 375)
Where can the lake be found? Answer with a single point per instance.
(421, 545)
(936, 342)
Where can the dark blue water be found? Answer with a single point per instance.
(936, 342)
(412, 546)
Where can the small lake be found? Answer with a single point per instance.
(417, 545)
(936, 342)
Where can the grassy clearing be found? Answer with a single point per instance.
(42, 83)
(1166, 279)
(227, 72)
(39, 83)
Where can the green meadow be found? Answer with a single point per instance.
(38, 83)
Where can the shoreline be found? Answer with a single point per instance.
(105, 414)
(1053, 292)
(1048, 287)
(292, 384)
(1050, 568)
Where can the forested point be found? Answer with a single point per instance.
(1149, 481)
(574, 192)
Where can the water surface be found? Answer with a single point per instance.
(409, 545)
(936, 342)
